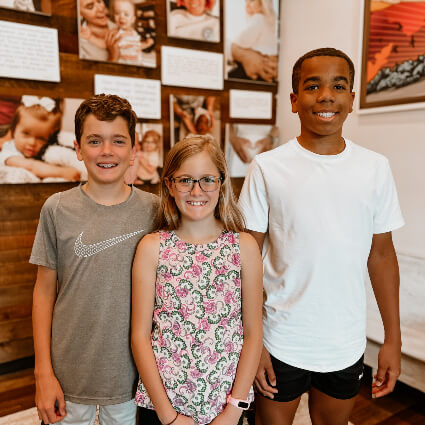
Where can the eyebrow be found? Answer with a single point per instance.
(317, 79)
(113, 136)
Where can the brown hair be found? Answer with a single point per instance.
(226, 210)
(324, 51)
(105, 107)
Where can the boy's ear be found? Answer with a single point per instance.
(133, 154)
(294, 97)
(78, 150)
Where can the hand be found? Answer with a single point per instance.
(240, 146)
(85, 32)
(264, 144)
(71, 174)
(187, 121)
(184, 420)
(229, 416)
(49, 399)
(389, 369)
(111, 40)
(265, 368)
(258, 65)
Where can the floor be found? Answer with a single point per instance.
(405, 406)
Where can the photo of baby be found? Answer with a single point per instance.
(42, 7)
(192, 114)
(124, 32)
(36, 140)
(194, 19)
(244, 141)
(251, 40)
(149, 156)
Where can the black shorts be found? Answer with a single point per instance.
(292, 382)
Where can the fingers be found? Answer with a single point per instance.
(61, 411)
(383, 386)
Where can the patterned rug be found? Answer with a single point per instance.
(30, 417)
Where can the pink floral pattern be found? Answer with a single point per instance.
(197, 332)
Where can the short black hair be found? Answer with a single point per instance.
(324, 51)
(105, 107)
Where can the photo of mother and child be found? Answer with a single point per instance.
(114, 32)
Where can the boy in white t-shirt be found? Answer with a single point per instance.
(322, 209)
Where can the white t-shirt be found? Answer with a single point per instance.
(8, 150)
(183, 24)
(320, 213)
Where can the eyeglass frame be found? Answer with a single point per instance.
(194, 181)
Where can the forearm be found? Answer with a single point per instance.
(149, 374)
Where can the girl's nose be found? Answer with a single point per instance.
(196, 189)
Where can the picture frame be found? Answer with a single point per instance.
(392, 69)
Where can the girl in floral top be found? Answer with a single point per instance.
(196, 341)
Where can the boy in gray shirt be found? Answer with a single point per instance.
(84, 249)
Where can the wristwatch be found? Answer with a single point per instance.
(240, 404)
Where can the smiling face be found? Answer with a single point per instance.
(324, 98)
(195, 7)
(32, 134)
(124, 14)
(94, 12)
(150, 142)
(106, 149)
(196, 205)
(253, 6)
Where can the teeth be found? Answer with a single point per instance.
(197, 204)
(326, 114)
(106, 165)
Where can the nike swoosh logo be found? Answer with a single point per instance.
(84, 251)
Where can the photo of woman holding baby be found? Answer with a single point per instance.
(113, 34)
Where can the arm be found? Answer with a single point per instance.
(209, 103)
(252, 300)
(47, 388)
(43, 169)
(265, 368)
(185, 117)
(143, 297)
(384, 275)
(255, 64)
(111, 40)
(239, 144)
(268, 142)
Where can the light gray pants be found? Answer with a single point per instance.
(113, 414)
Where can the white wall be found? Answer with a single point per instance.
(400, 136)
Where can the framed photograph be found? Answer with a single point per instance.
(42, 7)
(40, 129)
(147, 165)
(194, 114)
(251, 40)
(131, 26)
(244, 141)
(393, 56)
(194, 20)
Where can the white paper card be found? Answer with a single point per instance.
(251, 104)
(143, 94)
(29, 52)
(191, 68)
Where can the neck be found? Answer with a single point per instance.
(200, 231)
(324, 145)
(105, 194)
(99, 33)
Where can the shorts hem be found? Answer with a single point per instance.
(335, 395)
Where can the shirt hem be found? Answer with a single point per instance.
(99, 400)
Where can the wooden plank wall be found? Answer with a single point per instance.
(20, 203)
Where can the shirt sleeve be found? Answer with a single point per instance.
(387, 216)
(44, 249)
(253, 200)
(250, 34)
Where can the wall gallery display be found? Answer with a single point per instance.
(121, 33)
(192, 115)
(393, 59)
(251, 40)
(244, 141)
(37, 140)
(149, 155)
(43, 7)
(194, 20)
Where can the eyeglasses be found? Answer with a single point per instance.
(207, 184)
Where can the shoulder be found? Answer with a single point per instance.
(149, 243)
(248, 245)
(277, 153)
(54, 201)
(366, 153)
(146, 198)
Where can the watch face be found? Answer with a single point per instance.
(243, 404)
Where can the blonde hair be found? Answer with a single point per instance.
(226, 210)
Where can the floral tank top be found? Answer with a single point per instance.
(197, 331)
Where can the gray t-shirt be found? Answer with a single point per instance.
(91, 246)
